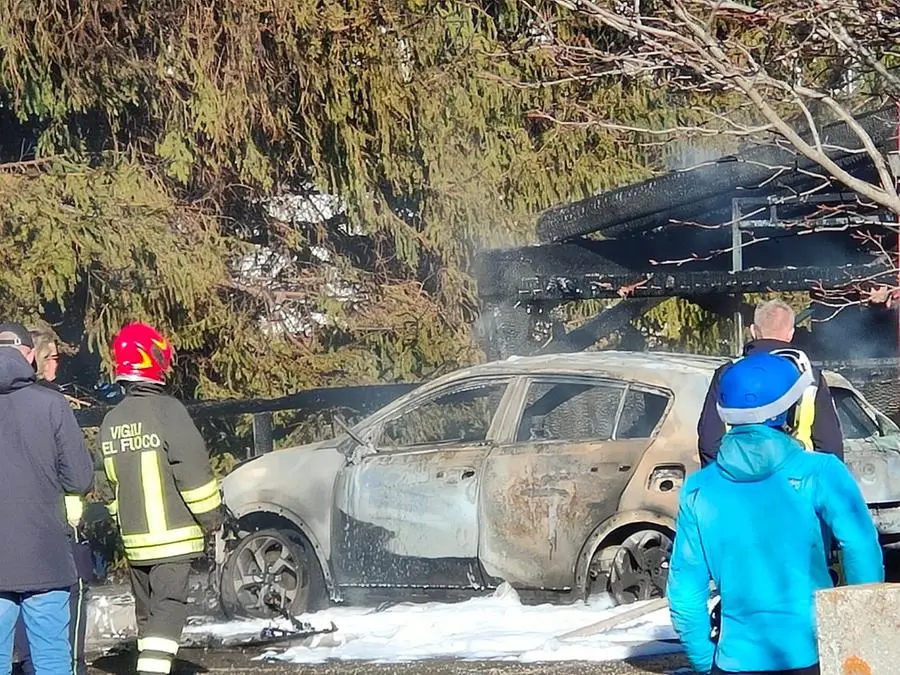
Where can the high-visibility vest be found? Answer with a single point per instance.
(804, 416)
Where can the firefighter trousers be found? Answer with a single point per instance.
(160, 604)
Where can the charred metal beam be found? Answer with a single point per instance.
(606, 322)
(669, 283)
(650, 204)
(499, 271)
(362, 398)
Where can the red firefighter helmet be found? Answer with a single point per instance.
(142, 354)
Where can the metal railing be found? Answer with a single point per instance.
(361, 398)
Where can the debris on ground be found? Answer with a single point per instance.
(498, 627)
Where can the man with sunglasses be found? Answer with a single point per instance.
(43, 457)
(46, 361)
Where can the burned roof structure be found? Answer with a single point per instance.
(766, 219)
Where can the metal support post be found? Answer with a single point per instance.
(737, 265)
(894, 160)
(262, 433)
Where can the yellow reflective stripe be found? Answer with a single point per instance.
(204, 498)
(206, 505)
(203, 492)
(109, 467)
(147, 664)
(165, 550)
(806, 414)
(167, 537)
(158, 644)
(154, 503)
(74, 508)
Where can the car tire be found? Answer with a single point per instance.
(635, 570)
(268, 569)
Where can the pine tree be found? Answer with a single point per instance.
(142, 142)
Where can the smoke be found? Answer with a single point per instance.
(683, 154)
(857, 332)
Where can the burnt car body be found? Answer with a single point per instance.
(558, 474)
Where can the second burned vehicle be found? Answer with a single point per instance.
(558, 474)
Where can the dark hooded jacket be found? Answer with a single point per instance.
(42, 457)
(826, 429)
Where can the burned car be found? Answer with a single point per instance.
(558, 474)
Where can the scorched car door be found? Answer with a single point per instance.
(407, 515)
(544, 493)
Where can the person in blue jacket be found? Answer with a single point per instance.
(752, 523)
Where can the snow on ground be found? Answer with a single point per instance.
(495, 627)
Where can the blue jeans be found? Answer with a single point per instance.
(46, 617)
(77, 623)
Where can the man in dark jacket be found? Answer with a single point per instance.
(42, 457)
(167, 498)
(46, 353)
(772, 330)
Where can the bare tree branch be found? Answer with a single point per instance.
(801, 72)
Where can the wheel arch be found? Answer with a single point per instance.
(263, 515)
(615, 530)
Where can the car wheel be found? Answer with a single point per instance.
(269, 570)
(635, 570)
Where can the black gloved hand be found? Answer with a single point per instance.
(211, 521)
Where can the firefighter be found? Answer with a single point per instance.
(813, 422)
(166, 499)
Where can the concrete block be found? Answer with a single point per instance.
(857, 629)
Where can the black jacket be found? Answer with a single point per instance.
(42, 456)
(826, 430)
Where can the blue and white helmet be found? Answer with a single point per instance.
(763, 387)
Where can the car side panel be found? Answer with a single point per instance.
(671, 457)
(540, 501)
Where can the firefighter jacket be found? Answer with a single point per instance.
(816, 423)
(157, 465)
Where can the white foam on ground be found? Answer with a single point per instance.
(496, 627)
